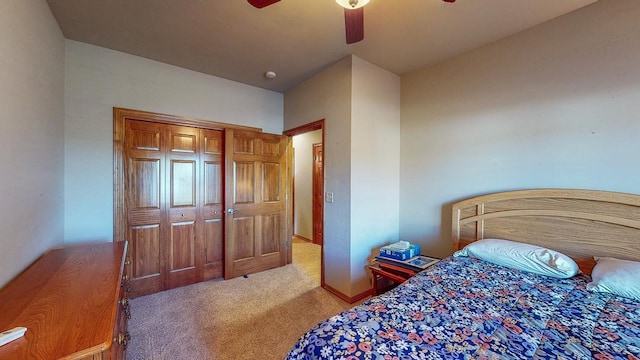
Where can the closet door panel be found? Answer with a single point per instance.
(144, 185)
(181, 241)
(183, 183)
(271, 233)
(182, 247)
(214, 240)
(183, 140)
(146, 173)
(211, 211)
(145, 273)
(146, 256)
(245, 178)
(255, 230)
(213, 183)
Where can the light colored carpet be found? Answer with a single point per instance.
(256, 318)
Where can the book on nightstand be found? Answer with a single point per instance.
(409, 266)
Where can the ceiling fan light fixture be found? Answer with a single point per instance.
(352, 4)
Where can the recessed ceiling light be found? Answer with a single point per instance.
(270, 75)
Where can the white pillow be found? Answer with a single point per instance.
(525, 257)
(615, 276)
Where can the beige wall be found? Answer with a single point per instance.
(554, 106)
(31, 134)
(360, 104)
(375, 166)
(303, 192)
(328, 96)
(97, 79)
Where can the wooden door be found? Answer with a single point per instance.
(318, 194)
(181, 177)
(212, 211)
(255, 228)
(144, 161)
(174, 204)
(169, 202)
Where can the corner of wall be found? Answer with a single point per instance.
(33, 104)
(327, 95)
(375, 171)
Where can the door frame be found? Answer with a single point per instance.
(120, 223)
(317, 182)
(313, 126)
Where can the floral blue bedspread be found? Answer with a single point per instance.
(464, 308)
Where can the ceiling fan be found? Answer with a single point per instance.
(353, 16)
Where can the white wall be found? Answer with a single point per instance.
(31, 134)
(328, 96)
(303, 192)
(554, 106)
(97, 79)
(375, 166)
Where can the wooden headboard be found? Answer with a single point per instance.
(579, 223)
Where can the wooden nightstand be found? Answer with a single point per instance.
(388, 273)
(385, 279)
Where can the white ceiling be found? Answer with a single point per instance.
(296, 38)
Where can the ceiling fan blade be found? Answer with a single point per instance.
(262, 3)
(354, 24)
(449, 0)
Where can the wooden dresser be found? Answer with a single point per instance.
(73, 303)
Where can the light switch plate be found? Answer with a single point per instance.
(328, 197)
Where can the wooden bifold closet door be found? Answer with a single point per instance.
(197, 203)
(256, 226)
(173, 189)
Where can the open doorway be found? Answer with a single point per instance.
(308, 198)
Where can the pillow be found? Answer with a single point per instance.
(525, 257)
(615, 276)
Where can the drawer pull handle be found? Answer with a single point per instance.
(125, 283)
(126, 308)
(127, 262)
(122, 339)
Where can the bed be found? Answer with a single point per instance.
(467, 308)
